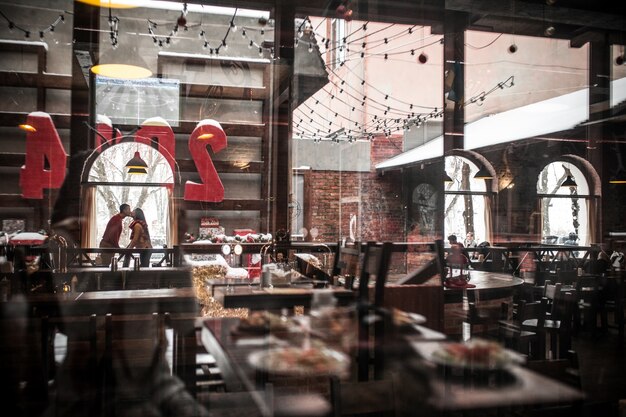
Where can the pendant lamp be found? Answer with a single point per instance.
(483, 174)
(136, 171)
(569, 182)
(121, 63)
(136, 162)
(446, 177)
(114, 4)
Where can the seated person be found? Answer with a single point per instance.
(469, 242)
(459, 255)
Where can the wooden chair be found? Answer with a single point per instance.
(134, 354)
(346, 261)
(587, 304)
(567, 277)
(558, 322)
(514, 334)
(374, 265)
(482, 320)
(613, 300)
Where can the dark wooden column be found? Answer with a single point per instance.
(453, 64)
(453, 97)
(599, 76)
(281, 121)
(85, 46)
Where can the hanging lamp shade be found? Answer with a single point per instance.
(569, 182)
(483, 174)
(619, 178)
(120, 63)
(137, 171)
(446, 177)
(136, 162)
(114, 4)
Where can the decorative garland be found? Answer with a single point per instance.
(221, 238)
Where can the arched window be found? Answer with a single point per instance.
(564, 209)
(109, 184)
(467, 202)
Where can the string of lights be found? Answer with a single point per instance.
(377, 124)
(213, 47)
(28, 32)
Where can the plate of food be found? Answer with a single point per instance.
(299, 361)
(262, 322)
(475, 355)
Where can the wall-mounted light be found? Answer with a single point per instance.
(27, 127)
(238, 249)
(226, 249)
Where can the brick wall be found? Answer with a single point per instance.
(376, 199)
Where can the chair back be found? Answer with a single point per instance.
(134, 350)
(534, 310)
(563, 307)
(567, 277)
(374, 264)
(551, 290)
(346, 260)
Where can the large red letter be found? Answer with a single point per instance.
(207, 132)
(42, 142)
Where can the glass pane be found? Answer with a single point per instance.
(553, 175)
(564, 221)
(111, 165)
(154, 201)
(462, 172)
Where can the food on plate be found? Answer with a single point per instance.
(477, 354)
(293, 360)
(262, 321)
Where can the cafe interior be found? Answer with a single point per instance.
(312, 208)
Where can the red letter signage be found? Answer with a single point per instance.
(42, 142)
(207, 132)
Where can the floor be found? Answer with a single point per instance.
(603, 373)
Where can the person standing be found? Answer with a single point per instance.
(112, 233)
(140, 237)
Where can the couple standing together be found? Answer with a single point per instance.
(139, 236)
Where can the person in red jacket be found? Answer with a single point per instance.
(112, 233)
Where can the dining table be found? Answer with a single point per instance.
(419, 381)
(485, 285)
(85, 303)
(256, 297)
